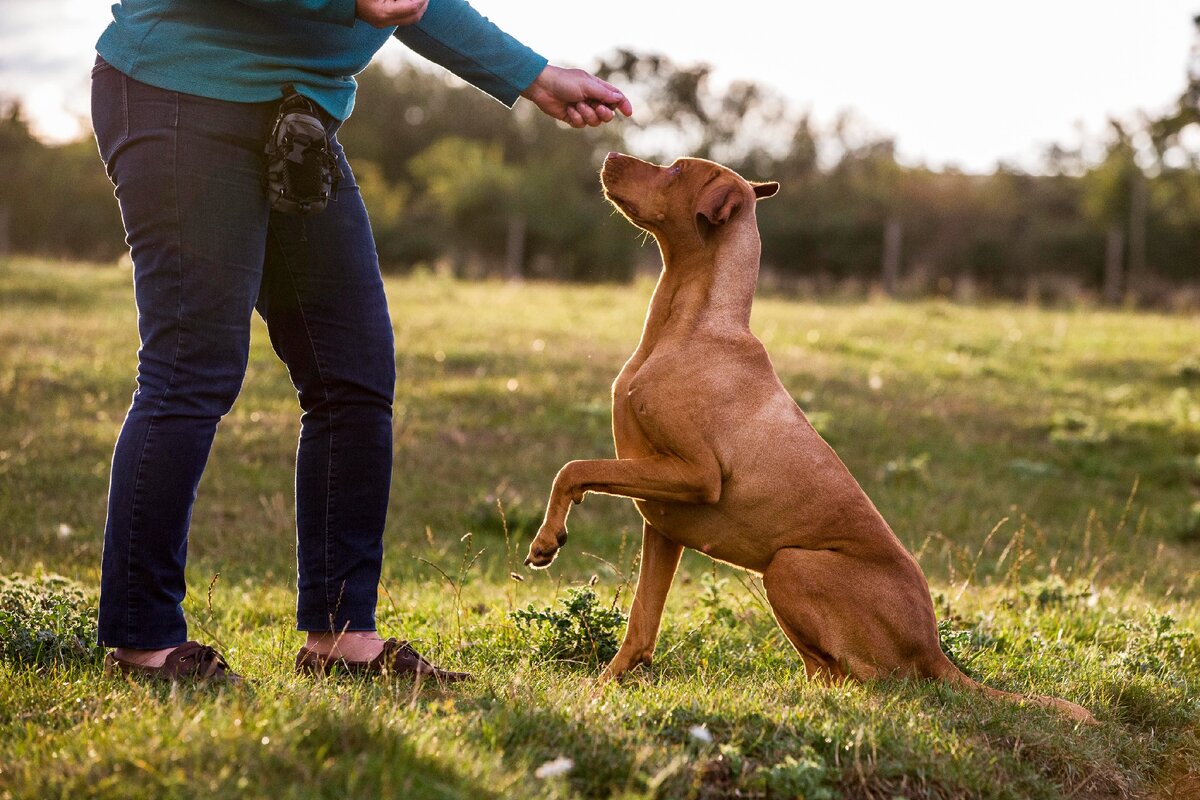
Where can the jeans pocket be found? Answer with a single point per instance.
(110, 110)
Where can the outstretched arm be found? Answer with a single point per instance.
(454, 35)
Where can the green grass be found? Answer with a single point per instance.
(1044, 465)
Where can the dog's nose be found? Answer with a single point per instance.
(611, 166)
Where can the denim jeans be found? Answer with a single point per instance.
(207, 252)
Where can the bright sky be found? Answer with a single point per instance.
(955, 82)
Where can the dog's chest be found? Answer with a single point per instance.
(640, 384)
(638, 401)
(657, 400)
(628, 436)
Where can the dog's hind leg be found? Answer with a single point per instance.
(851, 618)
(660, 559)
(795, 611)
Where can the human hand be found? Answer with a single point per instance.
(390, 13)
(576, 97)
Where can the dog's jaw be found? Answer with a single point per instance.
(626, 207)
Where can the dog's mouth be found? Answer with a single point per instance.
(625, 205)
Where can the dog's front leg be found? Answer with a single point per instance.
(664, 478)
(660, 559)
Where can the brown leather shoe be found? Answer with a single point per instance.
(190, 661)
(397, 658)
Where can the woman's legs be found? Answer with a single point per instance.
(206, 250)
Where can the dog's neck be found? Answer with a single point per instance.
(706, 284)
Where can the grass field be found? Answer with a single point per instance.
(1044, 465)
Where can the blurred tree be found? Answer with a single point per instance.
(57, 199)
(1165, 131)
(478, 194)
(681, 113)
(1113, 199)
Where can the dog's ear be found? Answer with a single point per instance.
(765, 189)
(718, 204)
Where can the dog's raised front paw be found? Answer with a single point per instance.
(541, 551)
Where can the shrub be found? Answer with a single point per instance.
(582, 632)
(801, 775)
(1155, 645)
(712, 600)
(46, 621)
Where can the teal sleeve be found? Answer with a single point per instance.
(454, 35)
(338, 12)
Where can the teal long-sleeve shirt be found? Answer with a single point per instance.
(246, 50)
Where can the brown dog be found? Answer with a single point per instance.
(718, 457)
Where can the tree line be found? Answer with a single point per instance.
(454, 180)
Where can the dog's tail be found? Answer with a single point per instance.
(946, 670)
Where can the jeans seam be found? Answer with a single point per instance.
(329, 473)
(124, 109)
(110, 161)
(137, 482)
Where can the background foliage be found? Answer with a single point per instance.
(456, 180)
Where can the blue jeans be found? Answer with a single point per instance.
(207, 251)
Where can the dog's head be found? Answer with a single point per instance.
(690, 197)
